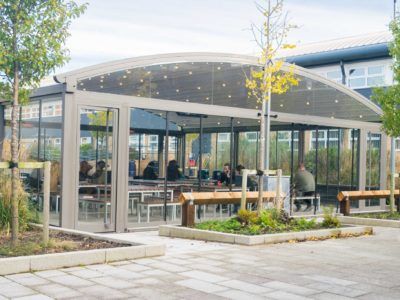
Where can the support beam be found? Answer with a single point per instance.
(362, 163)
(382, 167)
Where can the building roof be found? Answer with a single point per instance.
(217, 79)
(376, 38)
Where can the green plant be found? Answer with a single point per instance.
(24, 211)
(330, 220)
(304, 224)
(247, 217)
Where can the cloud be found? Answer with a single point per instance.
(119, 28)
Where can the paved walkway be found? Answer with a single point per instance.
(361, 268)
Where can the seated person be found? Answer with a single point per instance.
(149, 172)
(304, 185)
(100, 173)
(84, 168)
(251, 184)
(173, 171)
(227, 175)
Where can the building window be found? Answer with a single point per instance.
(335, 76)
(224, 137)
(367, 77)
(251, 136)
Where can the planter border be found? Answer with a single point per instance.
(369, 221)
(248, 240)
(40, 262)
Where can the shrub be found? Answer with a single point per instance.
(304, 224)
(24, 212)
(247, 217)
(330, 220)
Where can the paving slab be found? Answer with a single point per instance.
(330, 269)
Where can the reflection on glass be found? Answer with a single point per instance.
(95, 167)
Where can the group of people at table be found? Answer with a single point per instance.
(303, 183)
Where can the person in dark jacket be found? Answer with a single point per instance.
(304, 184)
(173, 172)
(150, 171)
(227, 175)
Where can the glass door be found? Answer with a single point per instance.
(97, 169)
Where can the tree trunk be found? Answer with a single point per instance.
(14, 155)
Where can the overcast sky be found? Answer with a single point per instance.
(116, 29)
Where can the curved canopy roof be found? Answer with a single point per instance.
(219, 79)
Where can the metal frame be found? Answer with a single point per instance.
(73, 98)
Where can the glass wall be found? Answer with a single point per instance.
(40, 136)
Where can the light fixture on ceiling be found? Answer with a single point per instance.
(176, 67)
(307, 103)
(128, 71)
(157, 93)
(165, 76)
(141, 80)
(190, 72)
(81, 83)
(207, 98)
(101, 80)
(218, 123)
(148, 72)
(281, 105)
(224, 84)
(120, 83)
(102, 77)
(199, 87)
(101, 86)
(229, 96)
(177, 90)
(218, 68)
(336, 101)
(238, 122)
(124, 76)
(361, 116)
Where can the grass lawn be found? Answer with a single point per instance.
(379, 215)
(269, 221)
(30, 243)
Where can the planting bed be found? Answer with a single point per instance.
(68, 248)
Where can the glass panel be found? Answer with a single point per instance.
(247, 152)
(334, 75)
(50, 150)
(375, 81)
(375, 70)
(357, 72)
(96, 157)
(357, 82)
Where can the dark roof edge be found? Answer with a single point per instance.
(345, 55)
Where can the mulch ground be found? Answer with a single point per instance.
(30, 243)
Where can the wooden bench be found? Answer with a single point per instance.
(345, 197)
(189, 200)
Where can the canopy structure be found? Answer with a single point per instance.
(219, 80)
